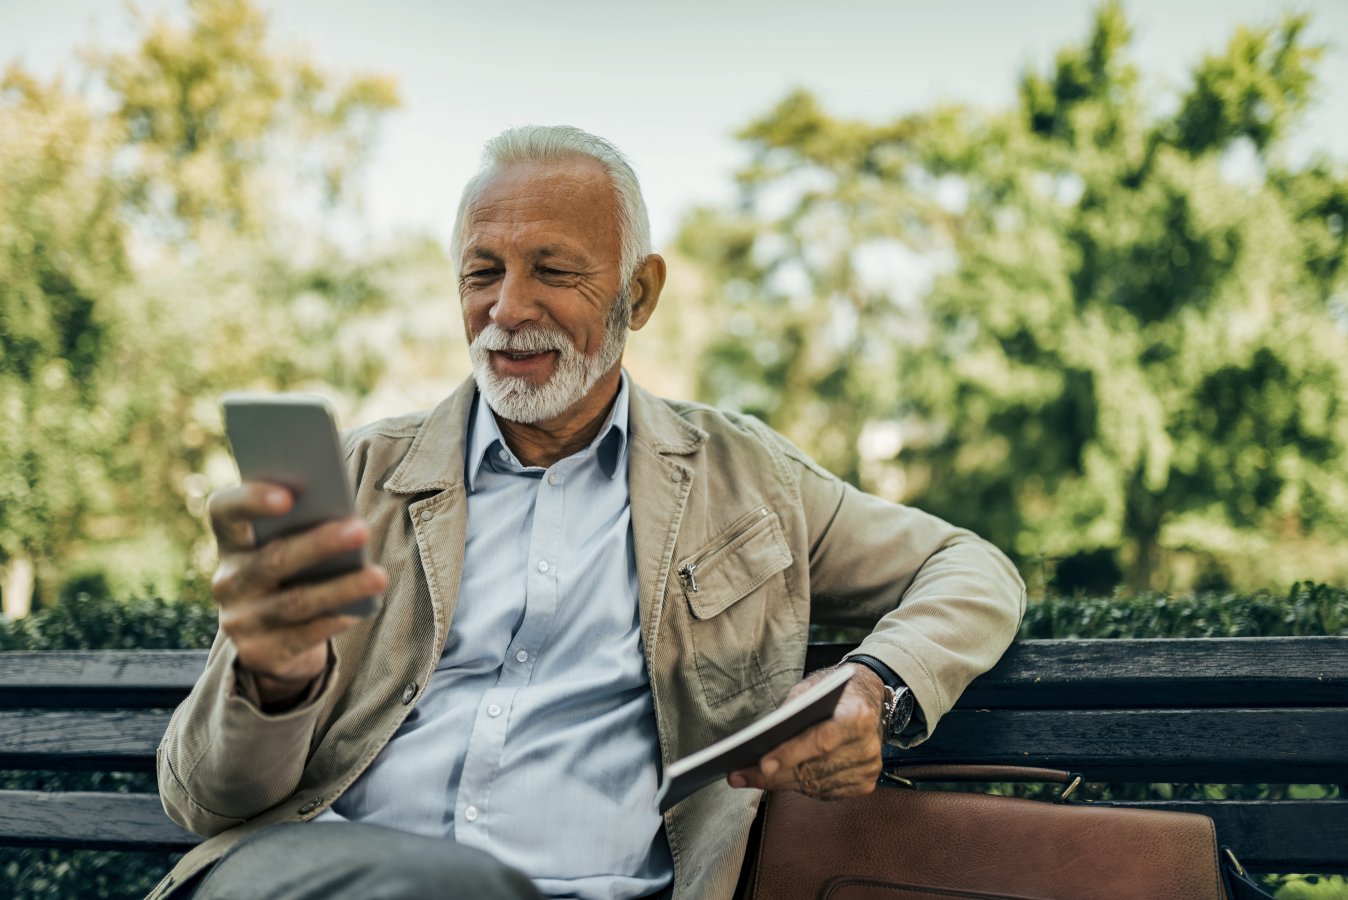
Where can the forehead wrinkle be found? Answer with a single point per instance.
(529, 184)
(521, 199)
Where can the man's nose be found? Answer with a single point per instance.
(516, 303)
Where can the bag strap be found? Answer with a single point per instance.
(910, 776)
(1239, 885)
(957, 773)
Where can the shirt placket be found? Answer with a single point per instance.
(486, 745)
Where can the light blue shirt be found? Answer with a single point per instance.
(536, 738)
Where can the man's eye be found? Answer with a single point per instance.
(553, 273)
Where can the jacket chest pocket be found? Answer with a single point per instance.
(735, 589)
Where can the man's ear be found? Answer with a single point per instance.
(647, 283)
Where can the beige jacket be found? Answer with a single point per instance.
(778, 543)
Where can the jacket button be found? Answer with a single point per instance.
(427, 515)
(676, 475)
(311, 805)
(409, 692)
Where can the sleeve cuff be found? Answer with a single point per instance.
(243, 685)
(906, 670)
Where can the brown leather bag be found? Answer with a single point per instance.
(902, 843)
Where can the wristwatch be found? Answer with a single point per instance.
(899, 701)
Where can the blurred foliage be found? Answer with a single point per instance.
(62, 246)
(90, 617)
(171, 229)
(1313, 887)
(1102, 337)
(80, 874)
(1306, 609)
(217, 124)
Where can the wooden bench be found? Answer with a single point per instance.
(1230, 711)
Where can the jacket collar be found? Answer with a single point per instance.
(434, 462)
(656, 426)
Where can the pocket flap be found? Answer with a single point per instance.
(736, 562)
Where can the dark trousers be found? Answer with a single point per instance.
(353, 861)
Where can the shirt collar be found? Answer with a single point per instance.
(609, 445)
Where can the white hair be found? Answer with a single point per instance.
(544, 144)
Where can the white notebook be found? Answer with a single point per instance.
(747, 746)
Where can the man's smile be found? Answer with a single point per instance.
(522, 363)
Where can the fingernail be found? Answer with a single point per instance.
(352, 531)
(276, 499)
(769, 766)
(737, 780)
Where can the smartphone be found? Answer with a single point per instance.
(291, 440)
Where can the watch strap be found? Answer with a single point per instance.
(899, 700)
(887, 675)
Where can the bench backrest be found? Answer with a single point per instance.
(1215, 711)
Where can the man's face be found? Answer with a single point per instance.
(544, 303)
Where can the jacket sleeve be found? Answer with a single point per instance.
(222, 760)
(944, 603)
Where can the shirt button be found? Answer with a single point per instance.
(494, 710)
(427, 515)
(409, 692)
(502, 455)
(543, 565)
(311, 805)
(521, 656)
(554, 479)
(470, 814)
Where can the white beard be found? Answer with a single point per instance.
(517, 399)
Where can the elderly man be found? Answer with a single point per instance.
(581, 584)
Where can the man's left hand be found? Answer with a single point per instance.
(835, 759)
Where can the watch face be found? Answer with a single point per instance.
(898, 711)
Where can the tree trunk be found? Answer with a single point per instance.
(1143, 512)
(1144, 564)
(16, 587)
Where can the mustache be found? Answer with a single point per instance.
(531, 339)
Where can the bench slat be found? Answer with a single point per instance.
(1269, 836)
(98, 679)
(90, 821)
(1229, 746)
(104, 740)
(1088, 674)
(1308, 746)
(1183, 673)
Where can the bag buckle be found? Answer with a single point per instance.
(1070, 789)
(896, 779)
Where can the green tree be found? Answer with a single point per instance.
(219, 125)
(157, 248)
(810, 337)
(61, 249)
(1127, 348)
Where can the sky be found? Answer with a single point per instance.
(670, 84)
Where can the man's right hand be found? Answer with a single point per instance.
(281, 634)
